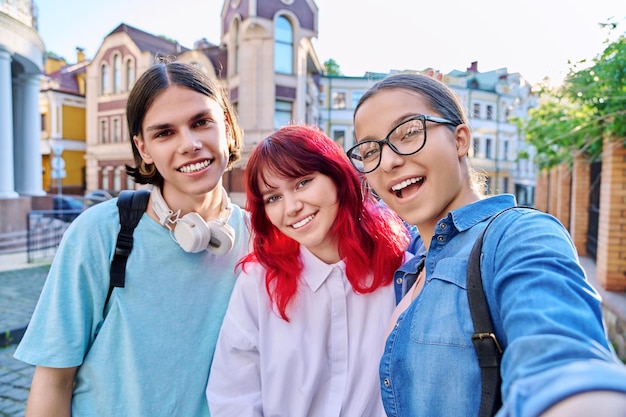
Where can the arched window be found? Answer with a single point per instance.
(130, 74)
(283, 46)
(117, 74)
(104, 79)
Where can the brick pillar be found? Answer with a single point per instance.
(541, 191)
(563, 192)
(579, 211)
(553, 187)
(611, 257)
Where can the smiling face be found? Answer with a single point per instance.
(185, 136)
(422, 187)
(303, 209)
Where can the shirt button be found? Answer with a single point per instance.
(440, 238)
(399, 281)
(386, 382)
(443, 225)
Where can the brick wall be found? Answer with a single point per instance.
(579, 205)
(611, 257)
(563, 192)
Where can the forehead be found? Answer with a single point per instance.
(386, 109)
(177, 100)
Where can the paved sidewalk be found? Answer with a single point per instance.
(20, 285)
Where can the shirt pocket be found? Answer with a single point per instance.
(441, 314)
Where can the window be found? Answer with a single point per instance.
(476, 111)
(104, 131)
(117, 178)
(104, 177)
(283, 46)
(489, 112)
(339, 136)
(282, 114)
(130, 74)
(489, 184)
(104, 79)
(117, 74)
(488, 148)
(43, 122)
(505, 148)
(356, 96)
(339, 99)
(505, 185)
(476, 146)
(117, 130)
(130, 183)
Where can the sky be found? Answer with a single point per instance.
(536, 38)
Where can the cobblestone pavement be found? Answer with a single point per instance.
(19, 291)
(15, 377)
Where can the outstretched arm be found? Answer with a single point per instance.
(593, 403)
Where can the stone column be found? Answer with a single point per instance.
(7, 186)
(28, 172)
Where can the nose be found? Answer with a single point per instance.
(189, 142)
(293, 204)
(389, 159)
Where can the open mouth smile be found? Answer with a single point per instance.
(198, 166)
(397, 189)
(303, 222)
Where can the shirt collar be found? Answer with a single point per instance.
(315, 272)
(471, 214)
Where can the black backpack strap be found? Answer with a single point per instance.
(132, 205)
(488, 349)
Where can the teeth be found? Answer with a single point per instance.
(194, 167)
(406, 183)
(302, 222)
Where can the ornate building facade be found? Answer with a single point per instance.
(21, 66)
(265, 60)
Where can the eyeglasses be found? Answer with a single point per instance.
(407, 138)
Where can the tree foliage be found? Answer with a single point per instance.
(590, 105)
(332, 67)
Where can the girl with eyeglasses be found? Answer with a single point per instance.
(412, 143)
(304, 329)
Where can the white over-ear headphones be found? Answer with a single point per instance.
(192, 233)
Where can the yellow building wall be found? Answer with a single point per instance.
(74, 169)
(74, 123)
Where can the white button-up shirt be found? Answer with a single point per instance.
(323, 362)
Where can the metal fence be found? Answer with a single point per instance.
(45, 229)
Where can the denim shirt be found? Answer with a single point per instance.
(546, 315)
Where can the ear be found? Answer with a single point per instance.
(463, 138)
(141, 146)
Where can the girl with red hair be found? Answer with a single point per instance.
(305, 326)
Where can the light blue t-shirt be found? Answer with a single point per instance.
(153, 352)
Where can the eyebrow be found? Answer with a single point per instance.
(162, 126)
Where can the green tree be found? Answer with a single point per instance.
(332, 67)
(590, 105)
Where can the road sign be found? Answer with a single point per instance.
(58, 163)
(56, 174)
(57, 148)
